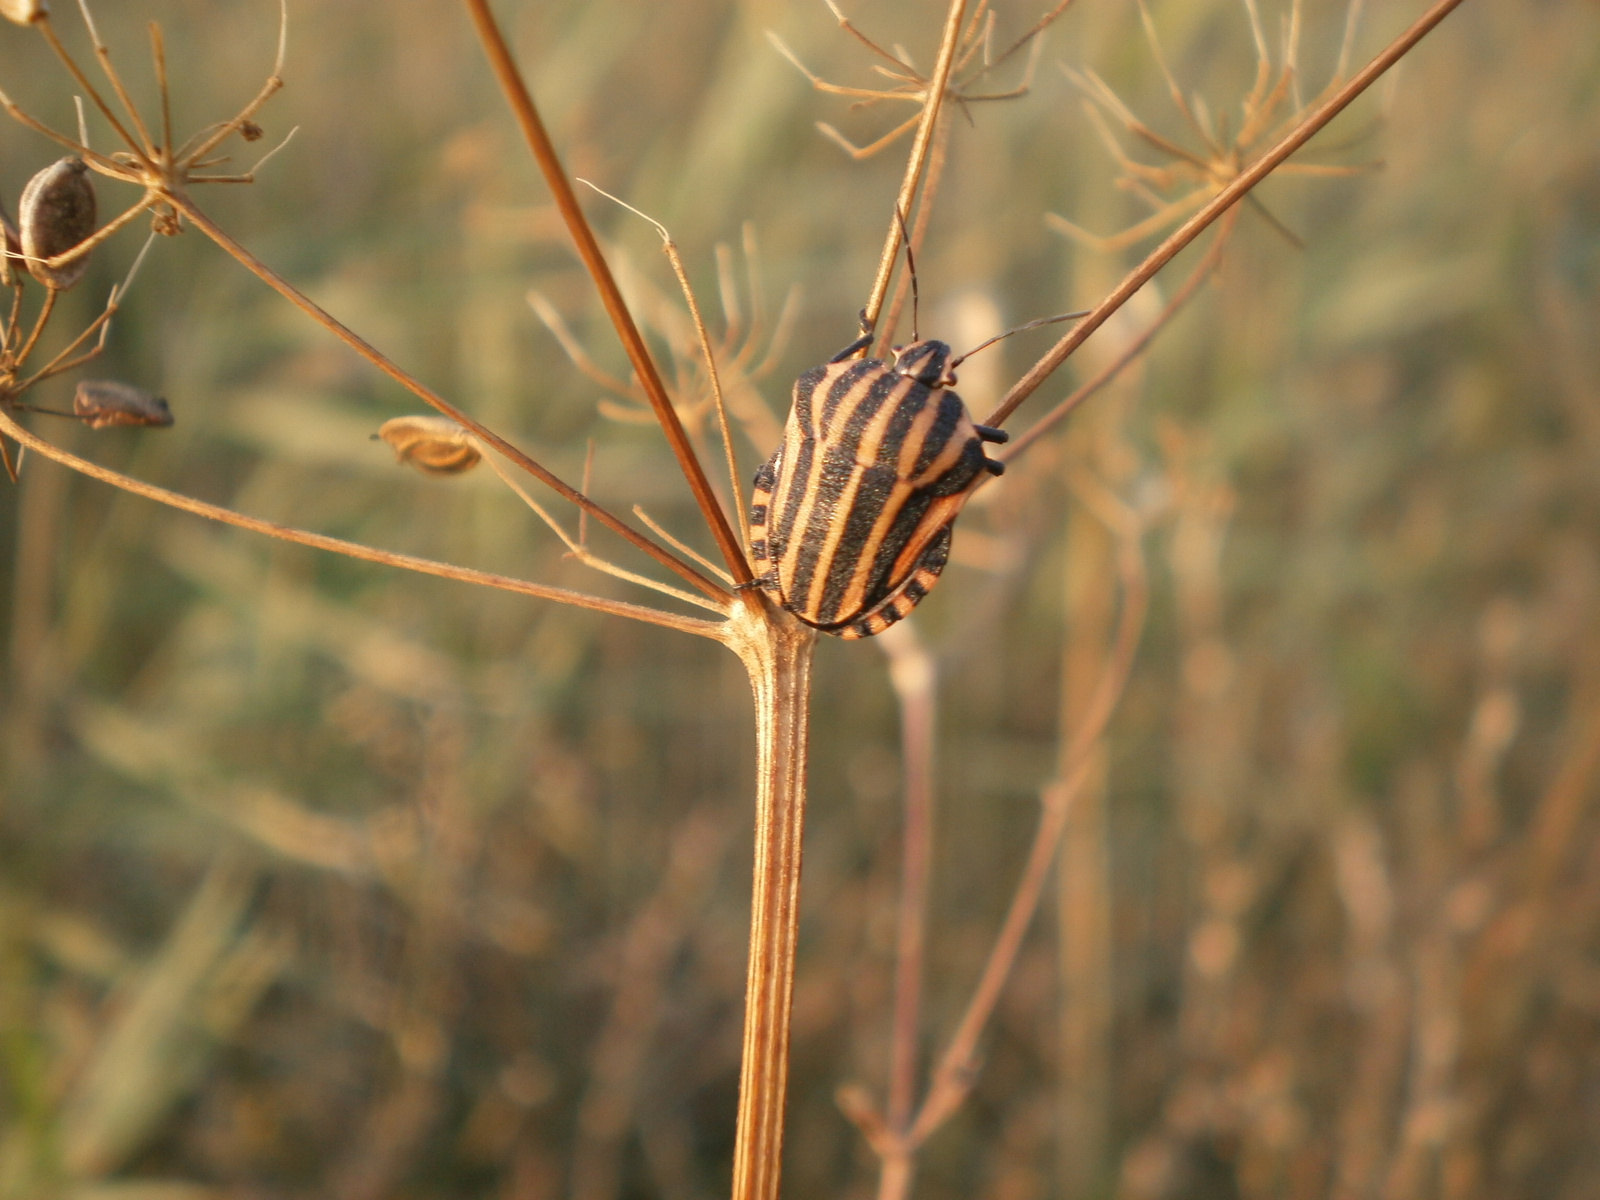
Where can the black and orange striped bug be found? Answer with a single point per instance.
(851, 519)
(852, 516)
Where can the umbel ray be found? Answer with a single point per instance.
(852, 516)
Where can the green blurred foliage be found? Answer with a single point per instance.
(322, 880)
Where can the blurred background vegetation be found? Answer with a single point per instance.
(323, 880)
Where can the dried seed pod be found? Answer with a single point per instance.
(24, 12)
(57, 213)
(434, 445)
(103, 402)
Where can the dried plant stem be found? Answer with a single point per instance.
(914, 676)
(919, 229)
(953, 1077)
(369, 352)
(932, 102)
(1219, 204)
(1084, 937)
(544, 152)
(425, 566)
(776, 650)
(1203, 271)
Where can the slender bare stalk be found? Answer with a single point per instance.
(544, 152)
(1202, 272)
(937, 158)
(1219, 204)
(1083, 878)
(369, 352)
(425, 566)
(937, 83)
(952, 1079)
(776, 650)
(914, 675)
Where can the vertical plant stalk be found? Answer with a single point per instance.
(914, 675)
(1083, 885)
(776, 651)
(937, 83)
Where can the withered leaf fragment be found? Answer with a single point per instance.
(57, 212)
(104, 402)
(434, 445)
(24, 12)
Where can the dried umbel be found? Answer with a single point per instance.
(434, 445)
(58, 212)
(24, 12)
(104, 402)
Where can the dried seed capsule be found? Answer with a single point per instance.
(434, 445)
(24, 12)
(57, 213)
(103, 402)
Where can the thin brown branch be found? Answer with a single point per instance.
(920, 146)
(544, 152)
(1301, 133)
(919, 230)
(139, 147)
(409, 562)
(953, 1077)
(913, 674)
(367, 351)
(670, 248)
(1132, 350)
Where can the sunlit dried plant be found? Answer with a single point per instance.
(774, 647)
(1190, 178)
(910, 86)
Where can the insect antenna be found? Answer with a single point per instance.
(911, 266)
(961, 358)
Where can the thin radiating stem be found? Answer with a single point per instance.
(409, 562)
(1298, 136)
(544, 152)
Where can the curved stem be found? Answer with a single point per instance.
(544, 152)
(287, 533)
(1220, 203)
(369, 352)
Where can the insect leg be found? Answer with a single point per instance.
(990, 434)
(860, 344)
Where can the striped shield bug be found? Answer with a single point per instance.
(851, 519)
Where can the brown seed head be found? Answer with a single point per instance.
(103, 402)
(57, 212)
(434, 445)
(24, 12)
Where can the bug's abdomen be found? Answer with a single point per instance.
(866, 452)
